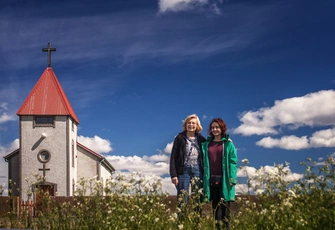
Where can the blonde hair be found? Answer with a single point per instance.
(187, 119)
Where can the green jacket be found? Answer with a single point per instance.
(229, 169)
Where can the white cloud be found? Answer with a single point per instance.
(286, 142)
(322, 138)
(250, 172)
(148, 181)
(5, 117)
(188, 5)
(246, 171)
(250, 129)
(139, 164)
(256, 177)
(157, 158)
(168, 186)
(5, 150)
(168, 148)
(157, 164)
(96, 143)
(314, 109)
(293, 177)
(154, 165)
(241, 189)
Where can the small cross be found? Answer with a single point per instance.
(44, 169)
(49, 50)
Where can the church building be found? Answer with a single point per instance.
(48, 144)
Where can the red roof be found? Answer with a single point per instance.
(47, 98)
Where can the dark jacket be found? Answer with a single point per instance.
(178, 154)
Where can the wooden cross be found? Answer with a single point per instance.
(44, 169)
(49, 50)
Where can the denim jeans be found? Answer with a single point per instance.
(190, 172)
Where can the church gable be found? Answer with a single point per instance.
(91, 164)
(87, 164)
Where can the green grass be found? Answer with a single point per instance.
(135, 202)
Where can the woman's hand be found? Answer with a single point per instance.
(175, 181)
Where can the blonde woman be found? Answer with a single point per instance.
(186, 156)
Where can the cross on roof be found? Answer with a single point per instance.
(44, 169)
(49, 50)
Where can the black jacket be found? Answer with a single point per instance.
(178, 154)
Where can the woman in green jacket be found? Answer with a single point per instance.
(220, 169)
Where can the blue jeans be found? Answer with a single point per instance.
(184, 180)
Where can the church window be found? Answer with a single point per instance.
(44, 156)
(73, 187)
(72, 153)
(44, 121)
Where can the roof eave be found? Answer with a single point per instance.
(10, 155)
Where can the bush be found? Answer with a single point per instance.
(124, 202)
(284, 203)
(274, 201)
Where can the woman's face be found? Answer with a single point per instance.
(191, 125)
(215, 129)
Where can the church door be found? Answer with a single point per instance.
(42, 202)
(45, 188)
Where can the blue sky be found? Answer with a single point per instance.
(133, 70)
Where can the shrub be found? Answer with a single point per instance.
(274, 201)
(284, 203)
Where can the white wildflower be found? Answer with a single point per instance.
(259, 191)
(292, 193)
(264, 211)
(287, 203)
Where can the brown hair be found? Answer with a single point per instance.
(222, 125)
(199, 127)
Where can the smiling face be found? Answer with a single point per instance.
(216, 130)
(191, 125)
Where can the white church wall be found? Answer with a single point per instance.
(87, 165)
(32, 143)
(72, 130)
(105, 174)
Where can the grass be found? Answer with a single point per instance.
(136, 202)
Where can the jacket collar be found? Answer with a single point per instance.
(226, 138)
(184, 134)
